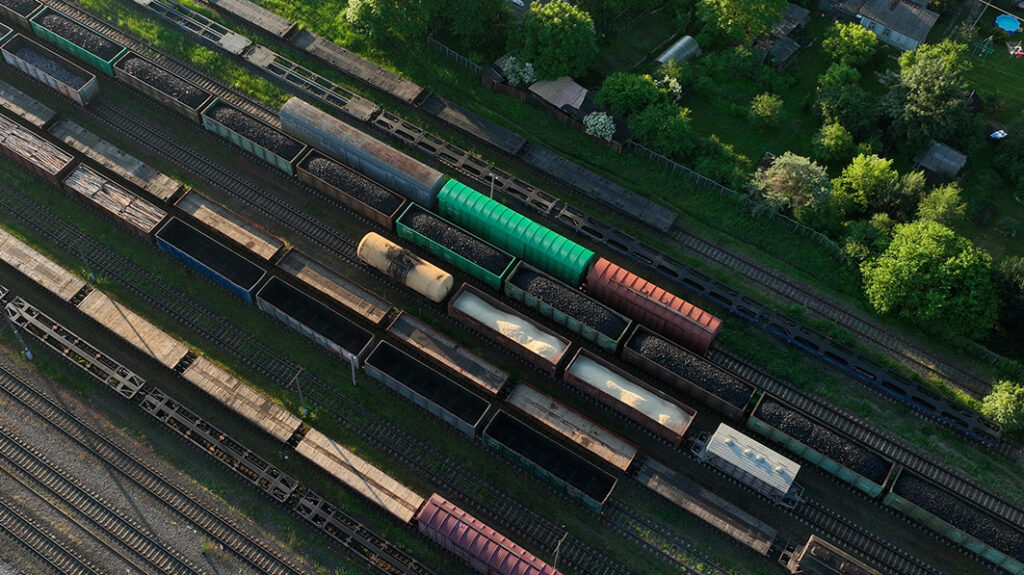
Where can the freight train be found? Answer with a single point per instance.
(382, 206)
(638, 333)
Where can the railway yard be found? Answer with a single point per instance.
(324, 354)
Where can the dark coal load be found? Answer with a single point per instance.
(80, 36)
(50, 67)
(353, 184)
(23, 7)
(467, 246)
(569, 301)
(844, 451)
(692, 367)
(256, 131)
(171, 85)
(960, 514)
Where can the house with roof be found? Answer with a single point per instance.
(902, 24)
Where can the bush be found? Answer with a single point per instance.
(600, 125)
(850, 44)
(767, 109)
(665, 128)
(833, 143)
(626, 94)
(517, 72)
(1005, 405)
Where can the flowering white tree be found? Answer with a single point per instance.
(517, 72)
(600, 125)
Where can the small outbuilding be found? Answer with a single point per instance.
(565, 94)
(793, 18)
(686, 48)
(941, 160)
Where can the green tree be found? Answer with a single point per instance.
(833, 143)
(558, 38)
(840, 99)
(935, 278)
(767, 109)
(862, 184)
(850, 44)
(741, 19)
(1005, 405)
(666, 129)
(794, 183)
(475, 23)
(385, 18)
(942, 205)
(930, 99)
(626, 94)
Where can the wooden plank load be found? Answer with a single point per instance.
(34, 153)
(134, 329)
(131, 210)
(155, 183)
(20, 104)
(245, 233)
(360, 475)
(260, 410)
(38, 268)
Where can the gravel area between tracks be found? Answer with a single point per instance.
(353, 184)
(252, 129)
(694, 368)
(171, 85)
(460, 242)
(830, 444)
(50, 67)
(572, 302)
(80, 36)
(961, 515)
(169, 528)
(23, 7)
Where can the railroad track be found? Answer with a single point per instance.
(101, 515)
(218, 528)
(852, 537)
(40, 543)
(885, 443)
(442, 470)
(183, 69)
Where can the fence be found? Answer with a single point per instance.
(707, 183)
(453, 55)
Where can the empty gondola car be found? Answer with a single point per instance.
(403, 174)
(105, 194)
(240, 230)
(78, 40)
(5, 31)
(638, 401)
(441, 349)
(19, 11)
(34, 153)
(352, 189)
(324, 281)
(818, 443)
(469, 539)
(314, 320)
(652, 306)
(571, 425)
(40, 269)
(254, 136)
(757, 466)
(566, 306)
(687, 372)
(819, 557)
(18, 103)
(50, 69)
(509, 329)
(163, 86)
(439, 395)
(563, 469)
(124, 165)
(963, 522)
(461, 249)
(516, 234)
(209, 257)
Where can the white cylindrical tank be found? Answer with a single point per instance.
(405, 267)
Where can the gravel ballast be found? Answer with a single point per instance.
(960, 514)
(173, 86)
(51, 67)
(851, 455)
(360, 188)
(256, 131)
(692, 367)
(458, 241)
(572, 302)
(80, 36)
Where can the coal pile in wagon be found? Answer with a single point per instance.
(960, 514)
(23, 7)
(50, 67)
(353, 184)
(569, 301)
(830, 444)
(175, 87)
(80, 36)
(458, 241)
(256, 131)
(698, 370)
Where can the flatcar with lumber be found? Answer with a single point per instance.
(241, 231)
(19, 104)
(39, 156)
(102, 193)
